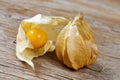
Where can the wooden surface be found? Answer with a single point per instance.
(102, 15)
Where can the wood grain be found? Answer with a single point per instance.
(102, 15)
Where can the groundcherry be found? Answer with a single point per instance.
(37, 37)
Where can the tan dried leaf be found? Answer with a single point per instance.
(75, 45)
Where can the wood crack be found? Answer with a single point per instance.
(13, 75)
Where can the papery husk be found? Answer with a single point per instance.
(24, 49)
(75, 45)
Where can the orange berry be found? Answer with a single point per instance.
(37, 37)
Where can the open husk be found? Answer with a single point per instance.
(75, 45)
(50, 24)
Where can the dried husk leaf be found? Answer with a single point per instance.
(75, 45)
(61, 46)
(24, 49)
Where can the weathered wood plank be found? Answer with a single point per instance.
(102, 15)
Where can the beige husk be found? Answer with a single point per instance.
(75, 45)
(24, 49)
